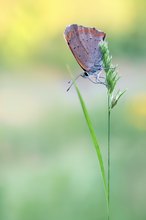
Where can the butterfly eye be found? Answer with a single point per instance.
(86, 74)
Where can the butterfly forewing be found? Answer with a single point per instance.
(76, 46)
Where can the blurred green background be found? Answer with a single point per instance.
(48, 165)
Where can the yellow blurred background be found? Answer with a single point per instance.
(48, 165)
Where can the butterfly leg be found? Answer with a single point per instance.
(98, 77)
(97, 82)
(94, 78)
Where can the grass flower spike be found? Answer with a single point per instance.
(111, 75)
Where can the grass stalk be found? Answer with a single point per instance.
(109, 133)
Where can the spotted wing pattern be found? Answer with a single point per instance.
(84, 44)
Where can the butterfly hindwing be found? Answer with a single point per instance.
(84, 44)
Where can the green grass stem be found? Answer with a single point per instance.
(109, 131)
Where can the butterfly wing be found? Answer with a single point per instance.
(83, 42)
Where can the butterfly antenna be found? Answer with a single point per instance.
(72, 82)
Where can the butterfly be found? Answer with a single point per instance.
(84, 44)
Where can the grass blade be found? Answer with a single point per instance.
(94, 139)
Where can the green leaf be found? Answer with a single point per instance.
(116, 98)
(94, 139)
